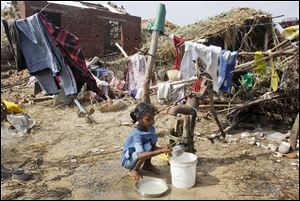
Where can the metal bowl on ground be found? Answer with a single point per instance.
(151, 187)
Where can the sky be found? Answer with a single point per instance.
(187, 12)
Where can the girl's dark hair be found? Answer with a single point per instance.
(140, 110)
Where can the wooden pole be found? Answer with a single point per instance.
(212, 107)
(149, 69)
(152, 51)
(294, 134)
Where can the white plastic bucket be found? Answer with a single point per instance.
(183, 170)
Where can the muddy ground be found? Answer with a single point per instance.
(71, 159)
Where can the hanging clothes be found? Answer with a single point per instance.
(186, 66)
(73, 55)
(177, 43)
(178, 92)
(197, 85)
(47, 82)
(12, 35)
(117, 84)
(136, 71)
(167, 92)
(37, 53)
(200, 86)
(164, 92)
(227, 64)
(34, 45)
(208, 55)
(173, 75)
(68, 81)
(139, 94)
(260, 64)
(274, 77)
(66, 76)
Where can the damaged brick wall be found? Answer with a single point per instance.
(88, 25)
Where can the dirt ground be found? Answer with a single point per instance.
(71, 159)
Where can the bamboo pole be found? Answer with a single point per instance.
(244, 65)
(290, 51)
(150, 60)
(249, 65)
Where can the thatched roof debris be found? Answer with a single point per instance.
(231, 26)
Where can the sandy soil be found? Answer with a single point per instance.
(71, 159)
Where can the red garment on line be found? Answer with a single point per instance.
(177, 42)
(197, 85)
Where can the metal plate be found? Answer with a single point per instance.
(151, 187)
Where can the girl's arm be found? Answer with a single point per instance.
(149, 154)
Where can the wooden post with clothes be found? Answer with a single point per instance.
(157, 28)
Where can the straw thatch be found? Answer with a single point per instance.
(239, 28)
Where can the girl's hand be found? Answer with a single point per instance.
(166, 149)
(167, 146)
(135, 175)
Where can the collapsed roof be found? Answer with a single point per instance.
(100, 6)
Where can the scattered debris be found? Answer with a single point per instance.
(284, 147)
(113, 106)
(21, 122)
(251, 141)
(276, 136)
(278, 155)
(245, 152)
(21, 174)
(272, 147)
(292, 155)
